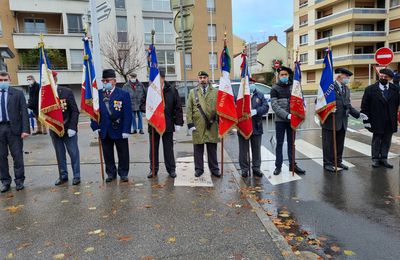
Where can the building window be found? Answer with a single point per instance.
(76, 59)
(394, 3)
(1, 29)
(311, 77)
(303, 3)
(120, 4)
(211, 6)
(304, 39)
(34, 25)
(303, 20)
(364, 28)
(325, 34)
(212, 56)
(324, 13)
(212, 33)
(304, 58)
(166, 60)
(163, 28)
(188, 61)
(394, 24)
(365, 4)
(75, 24)
(320, 54)
(361, 72)
(122, 28)
(363, 49)
(395, 46)
(156, 5)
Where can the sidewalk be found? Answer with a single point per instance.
(144, 219)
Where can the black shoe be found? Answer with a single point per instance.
(216, 174)
(258, 173)
(20, 186)
(134, 132)
(172, 174)
(331, 168)
(45, 133)
(150, 175)
(198, 174)
(376, 163)
(141, 132)
(61, 181)
(110, 179)
(245, 174)
(124, 179)
(386, 164)
(298, 170)
(76, 181)
(344, 167)
(277, 171)
(4, 188)
(37, 133)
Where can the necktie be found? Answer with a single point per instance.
(204, 91)
(386, 92)
(3, 106)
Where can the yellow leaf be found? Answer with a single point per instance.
(64, 201)
(171, 240)
(284, 215)
(59, 256)
(95, 232)
(299, 239)
(92, 208)
(77, 193)
(207, 215)
(10, 255)
(14, 209)
(89, 249)
(349, 252)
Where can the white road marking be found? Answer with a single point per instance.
(313, 152)
(185, 174)
(361, 147)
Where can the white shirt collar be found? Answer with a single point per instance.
(382, 87)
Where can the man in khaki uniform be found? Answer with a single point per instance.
(203, 124)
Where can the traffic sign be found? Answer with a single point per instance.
(384, 56)
(176, 4)
(277, 64)
(252, 53)
(188, 22)
(103, 11)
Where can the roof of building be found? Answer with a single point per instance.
(290, 29)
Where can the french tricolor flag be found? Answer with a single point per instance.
(297, 108)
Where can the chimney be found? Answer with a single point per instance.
(270, 38)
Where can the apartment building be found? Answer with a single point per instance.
(354, 29)
(7, 52)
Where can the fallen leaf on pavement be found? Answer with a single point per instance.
(207, 215)
(10, 255)
(64, 201)
(171, 240)
(335, 248)
(157, 226)
(24, 245)
(92, 208)
(77, 193)
(349, 252)
(95, 232)
(89, 249)
(59, 256)
(14, 209)
(125, 238)
(269, 214)
(147, 258)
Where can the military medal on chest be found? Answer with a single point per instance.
(117, 105)
(63, 103)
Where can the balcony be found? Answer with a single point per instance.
(350, 57)
(349, 37)
(353, 13)
(50, 6)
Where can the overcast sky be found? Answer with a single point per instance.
(255, 20)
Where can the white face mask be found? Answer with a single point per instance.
(133, 80)
(30, 82)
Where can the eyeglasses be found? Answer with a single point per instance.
(107, 80)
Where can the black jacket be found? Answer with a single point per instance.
(381, 112)
(17, 112)
(33, 102)
(172, 110)
(260, 103)
(69, 108)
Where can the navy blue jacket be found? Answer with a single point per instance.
(260, 103)
(120, 106)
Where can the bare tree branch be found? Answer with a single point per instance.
(124, 57)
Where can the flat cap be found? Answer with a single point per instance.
(388, 72)
(133, 75)
(203, 73)
(287, 69)
(344, 71)
(108, 73)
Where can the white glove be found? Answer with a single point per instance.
(253, 112)
(71, 132)
(96, 132)
(367, 125)
(177, 128)
(316, 120)
(192, 129)
(289, 116)
(364, 117)
(125, 135)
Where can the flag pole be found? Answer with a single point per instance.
(333, 124)
(101, 158)
(294, 132)
(153, 155)
(222, 138)
(244, 94)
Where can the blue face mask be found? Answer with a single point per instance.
(107, 86)
(284, 80)
(346, 81)
(4, 85)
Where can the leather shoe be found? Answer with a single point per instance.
(172, 174)
(376, 163)
(344, 167)
(61, 181)
(124, 179)
(20, 186)
(141, 132)
(198, 174)
(331, 168)
(277, 171)
(216, 174)
(134, 132)
(258, 173)
(298, 170)
(110, 179)
(37, 133)
(4, 188)
(76, 181)
(386, 164)
(150, 175)
(245, 174)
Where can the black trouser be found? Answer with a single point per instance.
(255, 141)
(381, 145)
(123, 156)
(211, 157)
(327, 146)
(281, 128)
(168, 150)
(8, 140)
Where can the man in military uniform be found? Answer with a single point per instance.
(342, 112)
(202, 123)
(69, 141)
(114, 126)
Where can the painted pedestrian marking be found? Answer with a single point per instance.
(268, 167)
(361, 147)
(314, 153)
(185, 174)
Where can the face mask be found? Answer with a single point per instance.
(30, 82)
(4, 85)
(383, 81)
(133, 80)
(346, 81)
(107, 86)
(284, 80)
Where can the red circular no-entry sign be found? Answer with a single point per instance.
(384, 56)
(277, 65)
